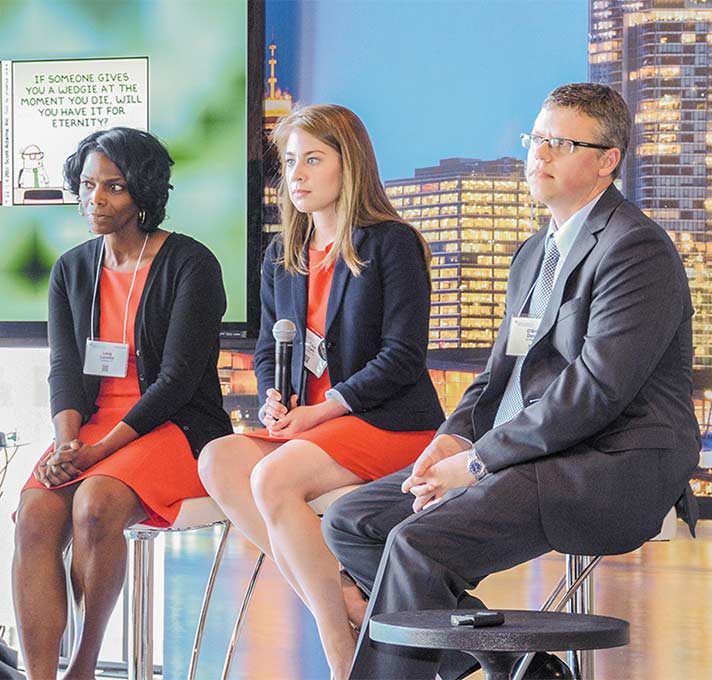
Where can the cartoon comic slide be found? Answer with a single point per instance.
(55, 104)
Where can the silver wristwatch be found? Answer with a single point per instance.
(475, 465)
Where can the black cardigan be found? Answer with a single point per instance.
(176, 337)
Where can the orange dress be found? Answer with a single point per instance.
(367, 451)
(159, 466)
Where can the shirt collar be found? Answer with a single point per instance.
(566, 234)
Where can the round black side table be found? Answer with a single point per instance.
(497, 648)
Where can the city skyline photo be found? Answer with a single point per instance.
(431, 79)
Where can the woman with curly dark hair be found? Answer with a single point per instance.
(134, 317)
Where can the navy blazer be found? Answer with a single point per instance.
(376, 328)
(607, 385)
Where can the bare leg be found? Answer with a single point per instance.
(225, 466)
(282, 484)
(38, 578)
(354, 599)
(103, 507)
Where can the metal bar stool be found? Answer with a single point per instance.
(319, 506)
(195, 513)
(579, 596)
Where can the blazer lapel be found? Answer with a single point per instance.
(521, 280)
(340, 279)
(300, 290)
(524, 276)
(579, 250)
(585, 241)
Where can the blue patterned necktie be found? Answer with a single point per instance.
(512, 401)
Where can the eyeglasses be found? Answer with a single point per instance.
(558, 145)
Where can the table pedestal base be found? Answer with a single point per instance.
(497, 665)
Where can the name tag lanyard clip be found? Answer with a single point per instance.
(109, 359)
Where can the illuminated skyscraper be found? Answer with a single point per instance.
(474, 214)
(605, 48)
(658, 54)
(277, 103)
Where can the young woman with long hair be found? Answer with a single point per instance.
(353, 278)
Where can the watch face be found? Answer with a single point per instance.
(476, 466)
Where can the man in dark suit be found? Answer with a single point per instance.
(580, 434)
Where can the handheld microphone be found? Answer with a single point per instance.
(283, 331)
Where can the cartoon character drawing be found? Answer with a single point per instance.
(32, 175)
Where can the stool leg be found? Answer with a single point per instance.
(580, 603)
(241, 617)
(206, 601)
(525, 661)
(140, 582)
(582, 577)
(69, 639)
(75, 624)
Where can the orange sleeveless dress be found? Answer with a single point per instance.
(367, 451)
(159, 466)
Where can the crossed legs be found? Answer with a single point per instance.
(427, 560)
(264, 489)
(93, 514)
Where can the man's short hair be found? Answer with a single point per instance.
(603, 104)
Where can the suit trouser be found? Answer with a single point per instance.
(427, 560)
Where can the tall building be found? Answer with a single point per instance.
(658, 55)
(474, 214)
(605, 47)
(277, 103)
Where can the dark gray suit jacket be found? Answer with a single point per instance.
(607, 384)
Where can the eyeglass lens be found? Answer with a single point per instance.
(556, 144)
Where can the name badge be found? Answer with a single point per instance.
(314, 353)
(522, 331)
(106, 359)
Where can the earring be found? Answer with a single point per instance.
(80, 208)
(141, 216)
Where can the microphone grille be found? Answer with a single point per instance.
(284, 330)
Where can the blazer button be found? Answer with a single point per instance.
(186, 428)
(138, 352)
(141, 378)
(330, 345)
